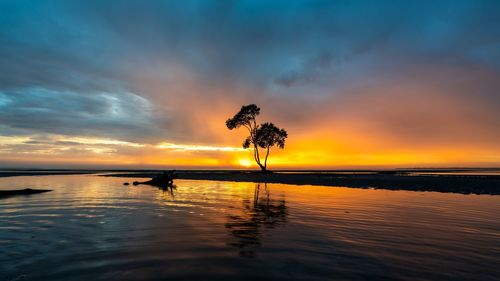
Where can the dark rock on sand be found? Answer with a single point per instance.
(165, 179)
(27, 191)
(391, 180)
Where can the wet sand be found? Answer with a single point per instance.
(392, 180)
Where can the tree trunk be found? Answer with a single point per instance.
(267, 155)
(257, 159)
(256, 148)
(262, 168)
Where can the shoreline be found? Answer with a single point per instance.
(387, 179)
(463, 184)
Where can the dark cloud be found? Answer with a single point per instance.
(39, 110)
(95, 44)
(307, 72)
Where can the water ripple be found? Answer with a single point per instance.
(94, 228)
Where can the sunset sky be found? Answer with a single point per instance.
(149, 84)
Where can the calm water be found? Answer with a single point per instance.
(94, 228)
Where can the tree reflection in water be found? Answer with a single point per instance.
(262, 212)
(170, 189)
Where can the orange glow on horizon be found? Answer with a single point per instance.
(319, 152)
(379, 126)
(313, 150)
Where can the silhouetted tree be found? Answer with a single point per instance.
(264, 135)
